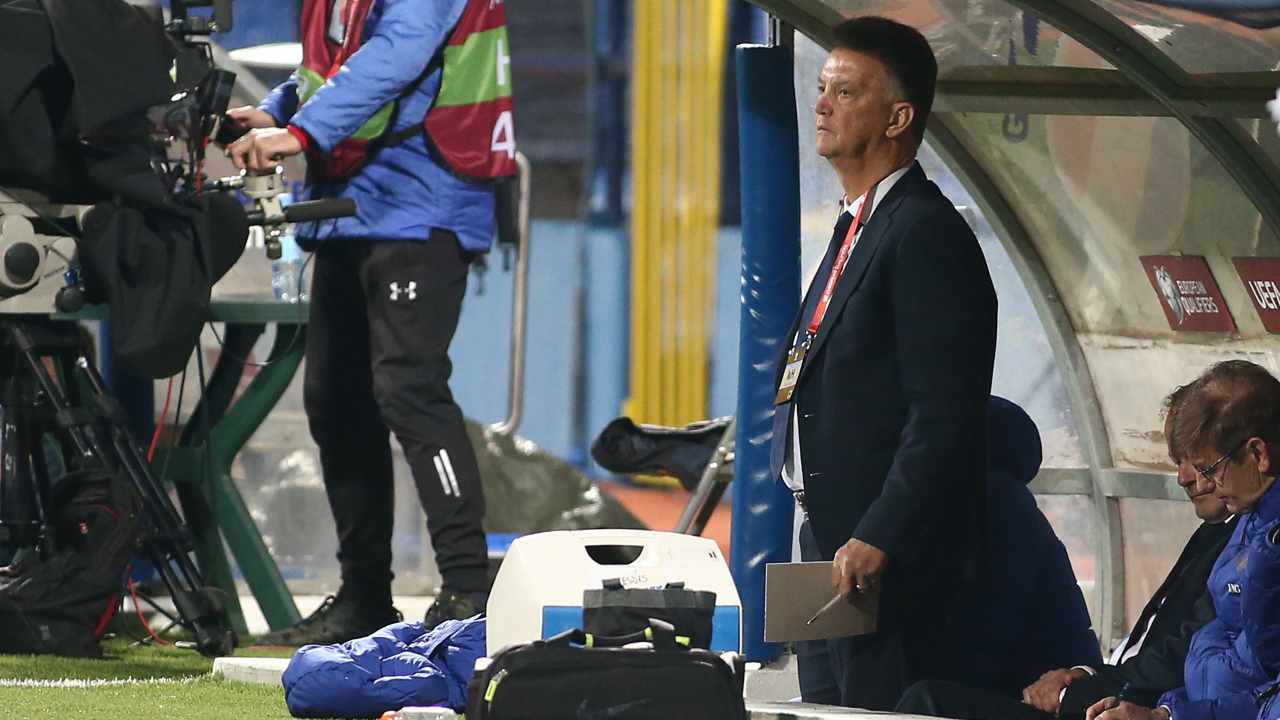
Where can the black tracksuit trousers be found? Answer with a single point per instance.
(382, 317)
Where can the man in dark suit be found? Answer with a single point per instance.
(1147, 663)
(880, 424)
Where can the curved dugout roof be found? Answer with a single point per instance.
(1121, 151)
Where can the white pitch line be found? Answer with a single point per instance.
(71, 683)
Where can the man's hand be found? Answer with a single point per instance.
(261, 150)
(250, 117)
(857, 567)
(1045, 694)
(1114, 709)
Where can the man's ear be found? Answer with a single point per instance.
(901, 115)
(1260, 451)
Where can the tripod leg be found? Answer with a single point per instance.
(201, 607)
(24, 495)
(207, 542)
(708, 508)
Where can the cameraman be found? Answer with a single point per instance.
(388, 289)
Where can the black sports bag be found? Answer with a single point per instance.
(582, 676)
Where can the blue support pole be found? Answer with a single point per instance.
(609, 78)
(770, 177)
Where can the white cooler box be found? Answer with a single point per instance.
(538, 590)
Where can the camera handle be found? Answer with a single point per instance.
(265, 190)
(23, 249)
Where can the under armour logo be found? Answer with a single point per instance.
(410, 292)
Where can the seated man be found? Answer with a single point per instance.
(1148, 662)
(1031, 616)
(1230, 422)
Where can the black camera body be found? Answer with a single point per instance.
(92, 117)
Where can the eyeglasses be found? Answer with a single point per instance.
(1208, 472)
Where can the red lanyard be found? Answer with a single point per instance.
(837, 268)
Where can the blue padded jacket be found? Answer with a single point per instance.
(1235, 658)
(399, 666)
(403, 192)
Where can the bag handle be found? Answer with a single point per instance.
(661, 634)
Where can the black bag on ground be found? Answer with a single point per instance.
(577, 675)
(615, 610)
(61, 604)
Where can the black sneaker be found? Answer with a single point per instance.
(338, 619)
(450, 605)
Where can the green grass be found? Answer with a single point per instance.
(185, 690)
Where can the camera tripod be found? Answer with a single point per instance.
(54, 396)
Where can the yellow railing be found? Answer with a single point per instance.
(677, 84)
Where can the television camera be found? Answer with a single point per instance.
(170, 137)
(106, 149)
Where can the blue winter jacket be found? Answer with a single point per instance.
(402, 193)
(1234, 659)
(401, 665)
(1032, 617)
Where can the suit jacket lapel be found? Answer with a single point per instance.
(873, 232)
(1190, 552)
(1205, 544)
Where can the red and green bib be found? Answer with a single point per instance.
(470, 124)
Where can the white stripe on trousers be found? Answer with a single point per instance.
(448, 466)
(444, 481)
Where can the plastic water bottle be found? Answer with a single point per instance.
(287, 280)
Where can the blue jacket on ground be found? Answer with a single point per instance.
(401, 665)
(403, 192)
(1235, 658)
(1032, 616)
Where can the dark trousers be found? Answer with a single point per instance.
(382, 317)
(951, 700)
(872, 671)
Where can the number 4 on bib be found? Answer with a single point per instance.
(470, 127)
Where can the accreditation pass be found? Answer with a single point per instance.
(787, 386)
